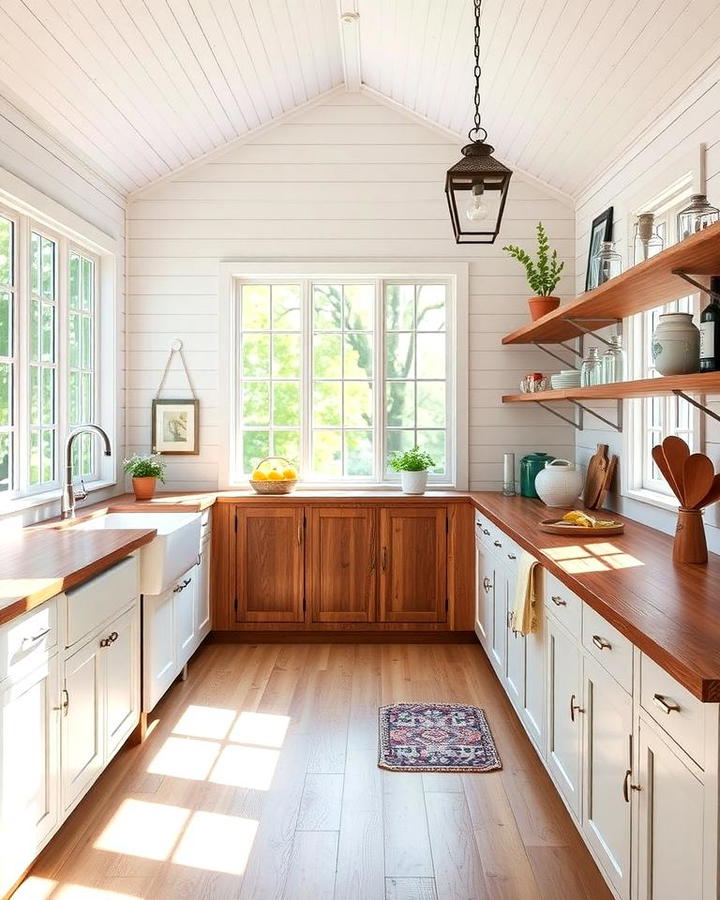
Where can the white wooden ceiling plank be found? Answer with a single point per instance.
(431, 50)
(276, 52)
(285, 35)
(387, 39)
(370, 17)
(328, 11)
(403, 49)
(455, 19)
(307, 45)
(314, 39)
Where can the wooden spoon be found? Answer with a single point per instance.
(676, 452)
(698, 476)
(712, 495)
(661, 463)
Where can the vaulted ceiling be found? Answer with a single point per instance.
(140, 87)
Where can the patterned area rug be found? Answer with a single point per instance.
(436, 737)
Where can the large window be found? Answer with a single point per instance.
(335, 373)
(8, 367)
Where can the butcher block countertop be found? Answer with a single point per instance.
(38, 563)
(670, 611)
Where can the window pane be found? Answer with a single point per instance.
(287, 444)
(358, 405)
(399, 307)
(286, 302)
(327, 403)
(400, 403)
(6, 323)
(88, 286)
(287, 358)
(6, 251)
(256, 446)
(35, 312)
(431, 356)
(255, 307)
(359, 305)
(327, 307)
(48, 397)
(433, 442)
(399, 440)
(47, 336)
(256, 355)
(327, 453)
(5, 460)
(5, 394)
(256, 403)
(327, 355)
(35, 263)
(286, 403)
(35, 414)
(359, 453)
(358, 355)
(400, 356)
(431, 404)
(431, 307)
(48, 268)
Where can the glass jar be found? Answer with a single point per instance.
(607, 263)
(613, 361)
(696, 216)
(591, 369)
(647, 241)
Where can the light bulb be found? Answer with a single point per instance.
(476, 209)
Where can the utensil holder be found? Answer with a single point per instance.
(690, 545)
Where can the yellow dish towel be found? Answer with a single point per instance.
(522, 620)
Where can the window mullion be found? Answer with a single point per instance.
(379, 369)
(23, 355)
(306, 374)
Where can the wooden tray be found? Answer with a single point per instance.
(554, 526)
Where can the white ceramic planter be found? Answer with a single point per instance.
(413, 482)
(559, 483)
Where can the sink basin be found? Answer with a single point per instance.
(171, 553)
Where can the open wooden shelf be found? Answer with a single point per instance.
(698, 383)
(644, 286)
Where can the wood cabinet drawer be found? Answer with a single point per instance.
(100, 598)
(674, 708)
(27, 640)
(611, 649)
(563, 604)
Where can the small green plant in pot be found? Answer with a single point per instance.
(543, 274)
(144, 471)
(413, 466)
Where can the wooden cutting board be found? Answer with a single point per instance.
(596, 477)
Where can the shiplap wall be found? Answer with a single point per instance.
(38, 160)
(665, 153)
(347, 178)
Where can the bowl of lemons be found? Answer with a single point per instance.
(274, 475)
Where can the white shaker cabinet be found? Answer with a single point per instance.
(203, 608)
(534, 704)
(484, 594)
(565, 712)
(82, 722)
(121, 680)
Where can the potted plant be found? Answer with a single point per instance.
(413, 467)
(543, 274)
(144, 470)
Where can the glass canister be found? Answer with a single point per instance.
(591, 369)
(647, 241)
(613, 361)
(530, 466)
(607, 263)
(696, 216)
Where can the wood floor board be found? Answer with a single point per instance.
(260, 780)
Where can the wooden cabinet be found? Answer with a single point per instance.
(342, 555)
(413, 577)
(270, 564)
(607, 761)
(671, 830)
(565, 713)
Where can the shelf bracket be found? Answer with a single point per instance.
(557, 355)
(696, 403)
(577, 422)
(599, 322)
(616, 426)
(696, 284)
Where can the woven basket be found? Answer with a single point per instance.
(274, 487)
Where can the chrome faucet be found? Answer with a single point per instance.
(70, 494)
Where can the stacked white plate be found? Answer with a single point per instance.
(568, 378)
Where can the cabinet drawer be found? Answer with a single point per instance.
(674, 708)
(611, 649)
(27, 640)
(100, 598)
(563, 604)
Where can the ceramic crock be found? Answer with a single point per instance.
(559, 483)
(530, 465)
(676, 345)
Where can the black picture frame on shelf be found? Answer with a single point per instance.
(601, 230)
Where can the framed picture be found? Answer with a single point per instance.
(601, 230)
(176, 426)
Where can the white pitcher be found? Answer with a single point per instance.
(559, 483)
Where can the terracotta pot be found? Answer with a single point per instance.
(540, 306)
(144, 487)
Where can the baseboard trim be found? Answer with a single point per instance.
(342, 637)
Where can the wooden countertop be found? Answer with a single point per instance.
(38, 563)
(670, 611)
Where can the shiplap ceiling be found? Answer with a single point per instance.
(141, 87)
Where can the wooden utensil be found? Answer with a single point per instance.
(676, 452)
(661, 463)
(713, 495)
(698, 476)
(606, 482)
(595, 477)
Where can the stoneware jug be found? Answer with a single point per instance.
(530, 465)
(559, 483)
(676, 345)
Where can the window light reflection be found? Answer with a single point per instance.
(245, 767)
(141, 828)
(185, 758)
(35, 888)
(217, 843)
(260, 729)
(82, 892)
(206, 722)
(598, 557)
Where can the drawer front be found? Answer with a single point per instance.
(563, 604)
(205, 523)
(29, 639)
(674, 708)
(100, 598)
(611, 649)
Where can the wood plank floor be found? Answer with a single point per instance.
(261, 781)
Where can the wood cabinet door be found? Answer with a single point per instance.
(342, 564)
(413, 556)
(565, 714)
(270, 570)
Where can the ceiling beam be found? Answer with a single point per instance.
(350, 43)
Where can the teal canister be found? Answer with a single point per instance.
(530, 465)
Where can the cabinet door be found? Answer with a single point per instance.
(203, 619)
(499, 632)
(533, 712)
(342, 564)
(122, 683)
(670, 845)
(515, 667)
(270, 571)
(564, 713)
(184, 615)
(484, 595)
(413, 578)
(29, 768)
(159, 650)
(607, 762)
(82, 723)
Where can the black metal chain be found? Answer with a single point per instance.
(477, 129)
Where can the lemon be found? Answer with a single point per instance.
(290, 474)
(258, 475)
(274, 475)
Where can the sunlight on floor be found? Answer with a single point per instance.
(261, 729)
(36, 888)
(139, 828)
(217, 843)
(182, 757)
(245, 767)
(210, 722)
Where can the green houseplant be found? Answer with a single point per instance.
(543, 274)
(144, 471)
(413, 467)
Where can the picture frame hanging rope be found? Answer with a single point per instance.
(176, 421)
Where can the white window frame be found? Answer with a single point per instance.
(453, 274)
(31, 211)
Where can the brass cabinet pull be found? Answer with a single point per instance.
(487, 584)
(626, 782)
(667, 706)
(601, 643)
(574, 707)
(65, 704)
(558, 601)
